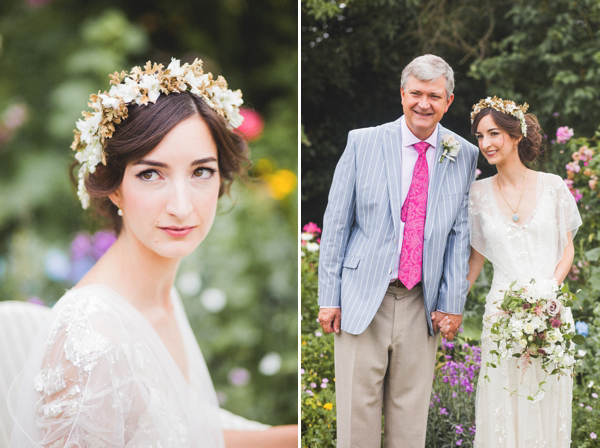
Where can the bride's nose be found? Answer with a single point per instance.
(179, 202)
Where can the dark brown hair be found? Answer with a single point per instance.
(144, 129)
(531, 146)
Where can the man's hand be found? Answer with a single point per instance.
(448, 324)
(330, 319)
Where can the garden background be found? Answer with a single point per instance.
(240, 286)
(545, 53)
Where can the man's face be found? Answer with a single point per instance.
(424, 104)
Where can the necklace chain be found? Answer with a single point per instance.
(515, 216)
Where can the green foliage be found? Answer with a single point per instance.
(53, 55)
(351, 67)
(546, 53)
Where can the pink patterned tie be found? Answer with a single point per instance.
(413, 216)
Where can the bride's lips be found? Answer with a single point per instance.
(177, 232)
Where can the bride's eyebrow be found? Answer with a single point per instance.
(204, 160)
(151, 163)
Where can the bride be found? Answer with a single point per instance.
(523, 222)
(117, 364)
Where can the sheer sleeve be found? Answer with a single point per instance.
(477, 207)
(80, 390)
(100, 376)
(567, 215)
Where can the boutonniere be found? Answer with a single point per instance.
(451, 147)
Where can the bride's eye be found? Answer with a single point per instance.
(204, 172)
(148, 175)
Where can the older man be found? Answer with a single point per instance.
(393, 261)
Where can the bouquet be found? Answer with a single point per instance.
(530, 325)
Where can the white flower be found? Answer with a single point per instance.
(581, 353)
(306, 236)
(109, 101)
(543, 289)
(312, 247)
(523, 343)
(150, 82)
(553, 307)
(175, 67)
(451, 147)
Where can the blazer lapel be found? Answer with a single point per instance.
(392, 154)
(439, 173)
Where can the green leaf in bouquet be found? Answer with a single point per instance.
(578, 339)
(494, 352)
(517, 355)
(513, 284)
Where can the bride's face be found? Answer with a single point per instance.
(495, 144)
(169, 197)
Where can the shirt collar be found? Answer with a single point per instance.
(409, 139)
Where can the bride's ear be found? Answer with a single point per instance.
(115, 198)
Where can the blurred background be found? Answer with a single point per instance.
(240, 286)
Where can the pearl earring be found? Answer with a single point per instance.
(120, 212)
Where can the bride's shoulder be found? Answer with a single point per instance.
(479, 185)
(552, 180)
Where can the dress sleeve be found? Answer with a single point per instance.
(476, 209)
(567, 215)
(78, 385)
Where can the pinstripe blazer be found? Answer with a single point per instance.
(362, 223)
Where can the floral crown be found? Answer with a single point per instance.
(506, 106)
(142, 87)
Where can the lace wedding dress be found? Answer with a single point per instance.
(99, 375)
(530, 249)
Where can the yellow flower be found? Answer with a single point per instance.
(281, 183)
(328, 406)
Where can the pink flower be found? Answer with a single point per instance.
(311, 227)
(553, 307)
(477, 172)
(569, 183)
(253, 124)
(564, 134)
(593, 435)
(577, 194)
(556, 323)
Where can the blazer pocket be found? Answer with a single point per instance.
(351, 262)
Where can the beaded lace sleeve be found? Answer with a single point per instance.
(100, 376)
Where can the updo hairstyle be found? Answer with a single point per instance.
(531, 146)
(144, 129)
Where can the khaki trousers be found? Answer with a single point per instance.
(390, 365)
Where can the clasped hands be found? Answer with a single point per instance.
(447, 324)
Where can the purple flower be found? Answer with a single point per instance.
(325, 380)
(595, 395)
(593, 435)
(443, 411)
(459, 442)
(458, 429)
(101, 241)
(302, 371)
(313, 385)
(318, 334)
(238, 376)
(36, 300)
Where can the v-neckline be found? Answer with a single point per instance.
(145, 320)
(538, 194)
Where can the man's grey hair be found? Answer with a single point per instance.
(428, 68)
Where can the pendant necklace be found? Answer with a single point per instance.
(515, 217)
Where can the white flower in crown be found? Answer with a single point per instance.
(451, 147)
(143, 86)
